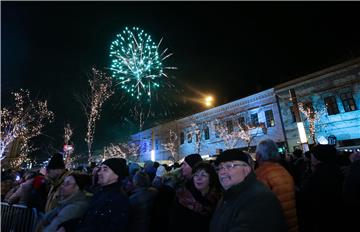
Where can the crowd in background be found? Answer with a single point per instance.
(313, 191)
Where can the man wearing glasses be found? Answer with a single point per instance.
(247, 204)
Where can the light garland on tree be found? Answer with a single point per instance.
(68, 150)
(23, 121)
(101, 90)
(313, 116)
(122, 150)
(171, 145)
(243, 132)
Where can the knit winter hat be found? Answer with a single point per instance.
(118, 166)
(231, 155)
(193, 159)
(82, 180)
(56, 162)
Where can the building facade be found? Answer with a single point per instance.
(331, 97)
(239, 124)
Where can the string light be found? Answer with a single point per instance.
(101, 90)
(24, 121)
(171, 145)
(122, 150)
(312, 116)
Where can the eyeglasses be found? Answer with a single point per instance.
(229, 166)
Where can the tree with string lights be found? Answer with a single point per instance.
(312, 116)
(22, 122)
(171, 144)
(244, 132)
(100, 91)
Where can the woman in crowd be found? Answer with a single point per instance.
(196, 202)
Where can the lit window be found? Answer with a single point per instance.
(254, 119)
(331, 105)
(206, 133)
(229, 126)
(189, 137)
(182, 138)
(270, 122)
(241, 121)
(348, 102)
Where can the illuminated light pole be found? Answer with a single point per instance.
(299, 123)
(152, 157)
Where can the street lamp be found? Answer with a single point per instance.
(209, 100)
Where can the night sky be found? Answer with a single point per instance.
(230, 50)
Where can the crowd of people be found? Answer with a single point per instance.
(314, 191)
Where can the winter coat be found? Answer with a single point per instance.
(193, 208)
(322, 193)
(108, 211)
(22, 194)
(53, 196)
(278, 179)
(70, 208)
(141, 206)
(248, 207)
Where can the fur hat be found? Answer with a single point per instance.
(118, 166)
(193, 159)
(56, 162)
(233, 154)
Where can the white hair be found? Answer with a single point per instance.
(267, 150)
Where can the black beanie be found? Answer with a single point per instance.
(56, 162)
(233, 154)
(118, 166)
(82, 180)
(193, 159)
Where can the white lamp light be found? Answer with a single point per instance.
(153, 155)
(302, 132)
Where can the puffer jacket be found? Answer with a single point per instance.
(282, 184)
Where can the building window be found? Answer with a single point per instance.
(293, 113)
(189, 137)
(229, 126)
(156, 144)
(217, 126)
(206, 133)
(270, 122)
(348, 102)
(241, 121)
(254, 119)
(182, 138)
(331, 105)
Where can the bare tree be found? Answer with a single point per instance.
(100, 91)
(171, 144)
